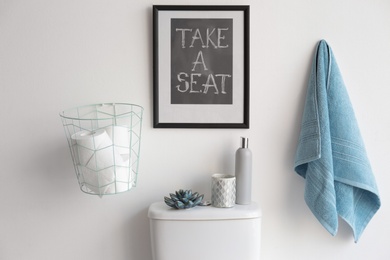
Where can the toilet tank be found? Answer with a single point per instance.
(205, 232)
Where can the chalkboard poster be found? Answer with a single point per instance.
(201, 61)
(201, 66)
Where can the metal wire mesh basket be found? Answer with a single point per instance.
(104, 141)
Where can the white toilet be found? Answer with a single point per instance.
(205, 232)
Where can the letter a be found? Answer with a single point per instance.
(210, 84)
(199, 57)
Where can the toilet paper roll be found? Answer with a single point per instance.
(98, 160)
(87, 142)
(92, 140)
(97, 182)
(95, 150)
(123, 181)
(108, 181)
(120, 136)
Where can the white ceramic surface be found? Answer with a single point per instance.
(205, 232)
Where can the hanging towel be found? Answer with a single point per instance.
(331, 154)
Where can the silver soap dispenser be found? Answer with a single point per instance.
(243, 173)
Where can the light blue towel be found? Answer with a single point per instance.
(331, 154)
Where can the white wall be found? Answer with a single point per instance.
(60, 54)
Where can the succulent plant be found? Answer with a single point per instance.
(183, 199)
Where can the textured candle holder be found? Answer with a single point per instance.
(223, 190)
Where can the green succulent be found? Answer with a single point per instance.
(183, 199)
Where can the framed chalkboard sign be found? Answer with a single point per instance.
(201, 66)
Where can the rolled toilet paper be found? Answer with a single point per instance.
(97, 182)
(97, 160)
(120, 136)
(122, 182)
(87, 142)
(107, 181)
(95, 149)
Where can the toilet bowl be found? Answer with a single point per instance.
(205, 232)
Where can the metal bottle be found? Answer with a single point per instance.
(243, 172)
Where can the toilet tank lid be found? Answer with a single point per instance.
(159, 210)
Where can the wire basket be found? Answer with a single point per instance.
(104, 141)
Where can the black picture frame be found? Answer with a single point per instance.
(201, 66)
